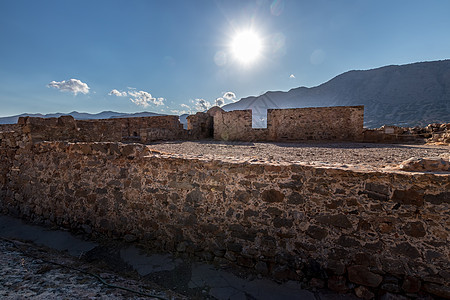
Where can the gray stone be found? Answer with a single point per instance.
(438, 290)
(261, 267)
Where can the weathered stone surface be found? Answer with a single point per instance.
(423, 164)
(336, 267)
(364, 293)
(411, 284)
(389, 296)
(406, 249)
(261, 267)
(279, 222)
(414, 229)
(438, 198)
(408, 197)
(340, 221)
(272, 196)
(316, 232)
(392, 266)
(338, 284)
(438, 290)
(348, 242)
(362, 275)
(390, 284)
(377, 191)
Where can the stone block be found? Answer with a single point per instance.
(362, 275)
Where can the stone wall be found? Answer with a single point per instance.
(200, 126)
(377, 230)
(139, 129)
(343, 123)
(236, 125)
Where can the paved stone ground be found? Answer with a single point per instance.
(361, 154)
(30, 272)
(34, 269)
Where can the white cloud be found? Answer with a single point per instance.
(141, 98)
(185, 106)
(292, 76)
(220, 101)
(202, 104)
(144, 99)
(115, 92)
(74, 86)
(229, 96)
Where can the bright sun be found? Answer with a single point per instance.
(246, 46)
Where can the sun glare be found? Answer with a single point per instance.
(246, 46)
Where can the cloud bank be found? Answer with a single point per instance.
(229, 96)
(140, 98)
(202, 104)
(74, 86)
(220, 101)
(115, 92)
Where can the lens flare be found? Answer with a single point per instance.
(246, 46)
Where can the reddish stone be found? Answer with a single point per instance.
(272, 196)
(414, 229)
(362, 275)
(408, 197)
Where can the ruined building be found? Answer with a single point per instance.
(343, 123)
(364, 229)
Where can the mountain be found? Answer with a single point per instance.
(405, 95)
(80, 116)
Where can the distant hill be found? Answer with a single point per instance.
(80, 116)
(405, 95)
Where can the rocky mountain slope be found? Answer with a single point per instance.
(80, 116)
(406, 95)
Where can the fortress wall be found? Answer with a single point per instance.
(140, 129)
(200, 126)
(342, 123)
(290, 221)
(236, 125)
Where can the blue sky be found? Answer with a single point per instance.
(176, 56)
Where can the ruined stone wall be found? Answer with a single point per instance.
(236, 125)
(341, 123)
(11, 139)
(344, 123)
(200, 126)
(153, 128)
(140, 129)
(377, 230)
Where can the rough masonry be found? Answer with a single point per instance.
(377, 230)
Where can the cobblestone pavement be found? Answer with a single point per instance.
(31, 272)
(364, 154)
